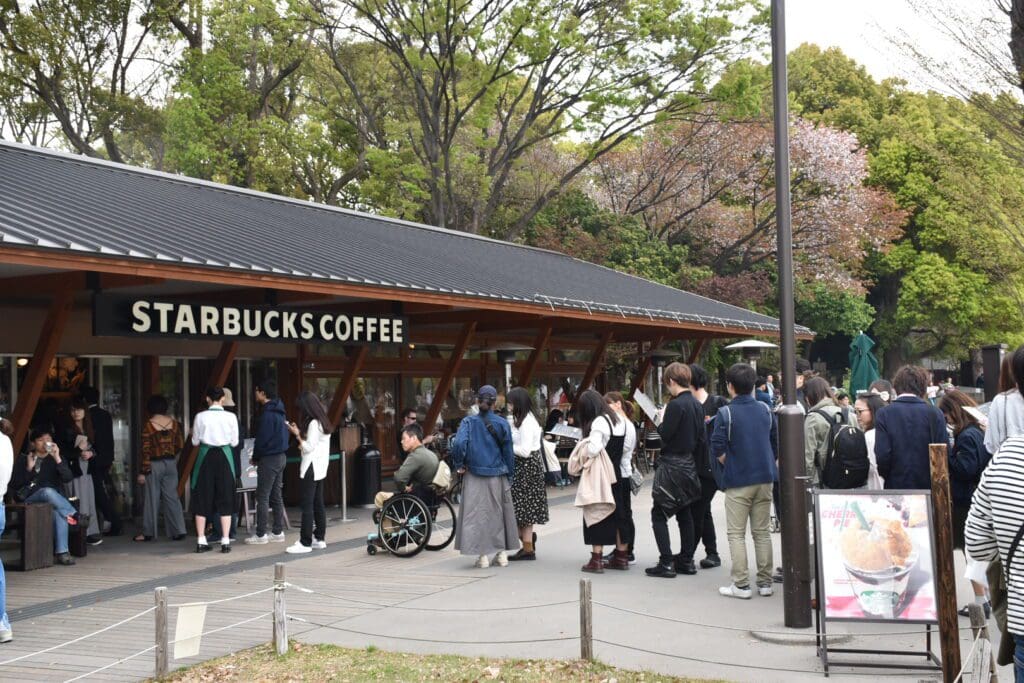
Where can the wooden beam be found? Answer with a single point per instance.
(48, 258)
(643, 365)
(347, 383)
(51, 283)
(596, 359)
(445, 385)
(45, 351)
(150, 379)
(219, 375)
(698, 346)
(540, 345)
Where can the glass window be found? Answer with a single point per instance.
(6, 393)
(172, 387)
(372, 405)
(116, 397)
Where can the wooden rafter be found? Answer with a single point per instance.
(698, 346)
(49, 283)
(596, 360)
(347, 383)
(45, 351)
(644, 365)
(219, 375)
(451, 369)
(540, 345)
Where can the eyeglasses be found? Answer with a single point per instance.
(861, 410)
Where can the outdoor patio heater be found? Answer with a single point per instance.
(751, 349)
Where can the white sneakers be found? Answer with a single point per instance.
(734, 591)
(298, 549)
(259, 540)
(6, 636)
(501, 559)
(765, 591)
(483, 562)
(276, 538)
(320, 545)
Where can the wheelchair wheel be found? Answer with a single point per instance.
(404, 526)
(442, 526)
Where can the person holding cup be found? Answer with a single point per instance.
(38, 477)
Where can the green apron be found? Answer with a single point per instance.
(203, 450)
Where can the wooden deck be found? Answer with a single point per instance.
(51, 606)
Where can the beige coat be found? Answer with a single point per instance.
(594, 493)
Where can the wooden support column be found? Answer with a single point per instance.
(540, 345)
(595, 363)
(445, 385)
(945, 573)
(643, 366)
(698, 346)
(150, 378)
(219, 375)
(348, 381)
(45, 351)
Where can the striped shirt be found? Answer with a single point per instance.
(996, 516)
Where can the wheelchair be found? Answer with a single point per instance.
(408, 524)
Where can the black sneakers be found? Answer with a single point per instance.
(663, 571)
(710, 562)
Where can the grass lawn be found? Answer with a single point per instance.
(331, 663)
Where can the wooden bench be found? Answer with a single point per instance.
(34, 525)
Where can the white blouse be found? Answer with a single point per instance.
(215, 427)
(628, 446)
(526, 438)
(875, 481)
(316, 451)
(1005, 419)
(601, 432)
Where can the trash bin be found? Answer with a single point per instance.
(367, 480)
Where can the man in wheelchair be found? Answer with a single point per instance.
(417, 471)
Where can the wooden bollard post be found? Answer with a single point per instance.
(160, 616)
(586, 622)
(984, 658)
(945, 576)
(280, 619)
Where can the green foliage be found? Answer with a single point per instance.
(830, 310)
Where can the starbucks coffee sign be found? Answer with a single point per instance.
(120, 316)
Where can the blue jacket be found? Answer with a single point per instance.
(475, 449)
(967, 460)
(903, 431)
(763, 397)
(271, 436)
(751, 445)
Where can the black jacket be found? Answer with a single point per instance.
(48, 474)
(271, 432)
(711, 406)
(682, 429)
(103, 432)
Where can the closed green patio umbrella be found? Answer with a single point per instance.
(863, 364)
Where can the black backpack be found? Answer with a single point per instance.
(846, 463)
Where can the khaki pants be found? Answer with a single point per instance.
(381, 498)
(753, 503)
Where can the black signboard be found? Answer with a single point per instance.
(121, 316)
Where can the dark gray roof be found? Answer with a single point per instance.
(72, 203)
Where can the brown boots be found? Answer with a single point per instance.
(619, 560)
(596, 564)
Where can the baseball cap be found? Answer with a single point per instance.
(487, 393)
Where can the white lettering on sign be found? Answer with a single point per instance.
(342, 323)
(164, 310)
(232, 322)
(118, 315)
(288, 325)
(140, 317)
(325, 328)
(185, 322)
(307, 325)
(209, 317)
(270, 328)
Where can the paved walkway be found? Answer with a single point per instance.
(116, 581)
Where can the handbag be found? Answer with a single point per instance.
(636, 480)
(552, 468)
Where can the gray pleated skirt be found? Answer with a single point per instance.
(487, 520)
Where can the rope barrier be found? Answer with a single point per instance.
(430, 609)
(431, 640)
(739, 666)
(109, 666)
(222, 600)
(758, 630)
(80, 638)
(967, 660)
(222, 628)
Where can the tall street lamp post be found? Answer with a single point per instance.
(795, 537)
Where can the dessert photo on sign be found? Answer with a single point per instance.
(875, 555)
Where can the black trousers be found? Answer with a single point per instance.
(104, 503)
(313, 510)
(703, 524)
(659, 522)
